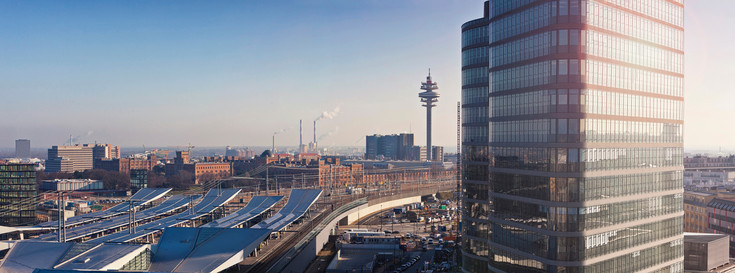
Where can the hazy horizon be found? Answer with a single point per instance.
(234, 73)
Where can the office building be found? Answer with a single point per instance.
(105, 151)
(126, 165)
(719, 214)
(138, 179)
(17, 194)
(209, 170)
(395, 147)
(70, 158)
(23, 148)
(437, 154)
(695, 211)
(572, 147)
(71, 185)
(707, 253)
(709, 178)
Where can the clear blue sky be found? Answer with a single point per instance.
(233, 72)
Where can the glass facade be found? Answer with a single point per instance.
(475, 143)
(138, 179)
(572, 142)
(18, 194)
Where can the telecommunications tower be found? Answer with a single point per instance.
(429, 97)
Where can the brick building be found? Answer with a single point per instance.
(125, 165)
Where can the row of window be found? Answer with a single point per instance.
(17, 168)
(580, 248)
(576, 160)
(498, 7)
(17, 174)
(643, 259)
(475, 247)
(475, 95)
(473, 36)
(573, 70)
(475, 76)
(629, 184)
(612, 103)
(633, 262)
(614, 19)
(19, 194)
(596, 102)
(17, 180)
(660, 9)
(477, 191)
(476, 55)
(523, 49)
(473, 227)
(475, 134)
(592, 42)
(562, 189)
(474, 114)
(588, 130)
(572, 219)
(602, 130)
(633, 52)
(521, 22)
(471, 264)
(623, 77)
(17, 187)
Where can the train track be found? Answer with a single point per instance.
(269, 259)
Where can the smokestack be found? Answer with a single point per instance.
(315, 132)
(300, 137)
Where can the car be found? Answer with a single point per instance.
(441, 241)
(424, 248)
(396, 232)
(431, 241)
(387, 232)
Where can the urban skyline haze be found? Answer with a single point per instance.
(156, 74)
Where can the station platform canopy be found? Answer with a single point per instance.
(257, 206)
(204, 249)
(140, 198)
(211, 201)
(298, 204)
(171, 204)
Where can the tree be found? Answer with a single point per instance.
(206, 178)
(155, 180)
(116, 181)
(266, 153)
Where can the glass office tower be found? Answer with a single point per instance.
(583, 166)
(17, 194)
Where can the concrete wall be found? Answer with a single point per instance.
(302, 260)
(373, 208)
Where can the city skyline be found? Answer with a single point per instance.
(148, 74)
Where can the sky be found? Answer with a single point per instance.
(166, 73)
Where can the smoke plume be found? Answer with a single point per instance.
(328, 115)
(330, 133)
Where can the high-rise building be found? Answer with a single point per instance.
(22, 148)
(396, 147)
(70, 158)
(105, 151)
(572, 147)
(138, 179)
(17, 194)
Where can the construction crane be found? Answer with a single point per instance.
(188, 147)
